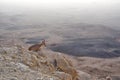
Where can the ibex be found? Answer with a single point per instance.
(37, 47)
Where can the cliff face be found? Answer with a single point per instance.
(17, 63)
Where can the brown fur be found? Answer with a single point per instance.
(37, 47)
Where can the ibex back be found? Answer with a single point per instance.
(37, 47)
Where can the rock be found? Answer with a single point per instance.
(84, 76)
(64, 65)
(39, 78)
(46, 78)
(13, 78)
(2, 51)
(22, 67)
(1, 71)
(10, 49)
(63, 75)
(51, 79)
(1, 58)
(8, 58)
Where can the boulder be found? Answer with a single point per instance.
(84, 76)
(63, 75)
(64, 65)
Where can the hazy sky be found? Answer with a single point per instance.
(106, 12)
(58, 2)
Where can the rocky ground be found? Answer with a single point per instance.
(17, 63)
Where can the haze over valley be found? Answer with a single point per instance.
(85, 30)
